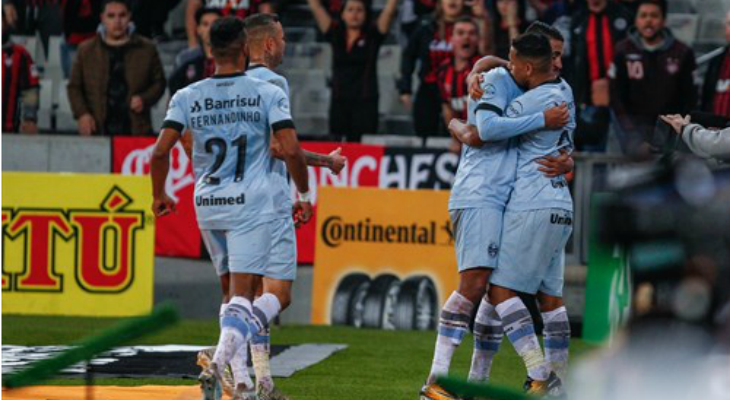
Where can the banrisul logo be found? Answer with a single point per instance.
(104, 239)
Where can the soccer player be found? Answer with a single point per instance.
(480, 192)
(537, 220)
(232, 117)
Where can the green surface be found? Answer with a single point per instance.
(376, 364)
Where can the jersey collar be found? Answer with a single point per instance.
(224, 76)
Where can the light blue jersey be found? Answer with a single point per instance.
(533, 190)
(485, 175)
(231, 118)
(260, 71)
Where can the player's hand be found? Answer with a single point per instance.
(136, 104)
(87, 125)
(475, 86)
(28, 126)
(337, 161)
(163, 206)
(676, 121)
(557, 117)
(302, 213)
(407, 101)
(556, 166)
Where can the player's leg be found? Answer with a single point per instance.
(473, 237)
(556, 331)
(519, 270)
(488, 333)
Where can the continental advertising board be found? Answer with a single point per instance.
(384, 258)
(76, 244)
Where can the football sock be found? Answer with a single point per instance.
(265, 308)
(488, 334)
(237, 326)
(556, 336)
(520, 330)
(260, 353)
(239, 367)
(453, 324)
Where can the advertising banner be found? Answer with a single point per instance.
(385, 258)
(418, 168)
(177, 233)
(76, 244)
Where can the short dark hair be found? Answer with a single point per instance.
(535, 47)
(545, 29)
(662, 4)
(227, 36)
(257, 23)
(465, 19)
(125, 3)
(202, 11)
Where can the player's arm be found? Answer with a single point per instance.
(187, 142)
(474, 80)
(159, 167)
(556, 166)
(493, 126)
(386, 16)
(324, 21)
(335, 161)
(296, 164)
(465, 133)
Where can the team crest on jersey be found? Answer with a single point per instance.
(514, 109)
(489, 91)
(672, 66)
(493, 250)
(283, 105)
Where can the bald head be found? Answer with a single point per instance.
(265, 37)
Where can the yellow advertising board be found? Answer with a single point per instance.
(77, 244)
(383, 259)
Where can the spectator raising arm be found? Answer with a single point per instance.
(386, 16)
(323, 18)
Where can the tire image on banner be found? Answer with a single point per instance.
(383, 267)
(177, 234)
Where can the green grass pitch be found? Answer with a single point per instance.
(376, 365)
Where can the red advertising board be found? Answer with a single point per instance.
(177, 235)
(362, 170)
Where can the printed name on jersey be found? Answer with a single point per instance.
(561, 219)
(211, 200)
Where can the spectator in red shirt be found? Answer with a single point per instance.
(716, 90)
(20, 88)
(652, 74)
(237, 8)
(452, 73)
(428, 47)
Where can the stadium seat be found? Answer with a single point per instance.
(684, 27)
(45, 105)
(53, 68)
(392, 140)
(64, 117)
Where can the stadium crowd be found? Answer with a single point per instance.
(625, 66)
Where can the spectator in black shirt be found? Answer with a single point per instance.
(652, 74)
(355, 46)
(192, 65)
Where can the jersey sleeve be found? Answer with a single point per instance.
(176, 117)
(518, 118)
(279, 111)
(496, 93)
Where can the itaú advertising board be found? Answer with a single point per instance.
(384, 258)
(76, 244)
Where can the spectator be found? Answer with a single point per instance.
(412, 11)
(355, 46)
(192, 65)
(716, 90)
(20, 87)
(452, 73)
(703, 142)
(593, 33)
(509, 22)
(651, 75)
(150, 17)
(116, 77)
(238, 8)
(429, 46)
(80, 22)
